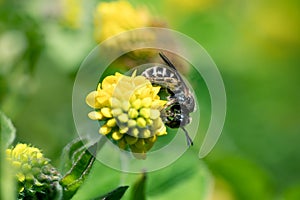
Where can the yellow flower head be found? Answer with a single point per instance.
(33, 171)
(130, 108)
(115, 17)
(72, 11)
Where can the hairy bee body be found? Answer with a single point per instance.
(181, 101)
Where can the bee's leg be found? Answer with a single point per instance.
(166, 112)
(188, 139)
(171, 101)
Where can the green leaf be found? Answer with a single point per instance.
(78, 172)
(186, 178)
(7, 136)
(138, 190)
(115, 194)
(7, 131)
(292, 192)
(101, 180)
(71, 153)
(236, 171)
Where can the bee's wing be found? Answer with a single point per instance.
(171, 65)
(182, 87)
(167, 61)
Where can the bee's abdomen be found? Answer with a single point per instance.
(157, 71)
(164, 77)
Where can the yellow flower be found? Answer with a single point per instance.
(115, 17)
(130, 108)
(183, 8)
(72, 11)
(34, 174)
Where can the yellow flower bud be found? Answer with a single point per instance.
(124, 130)
(132, 98)
(155, 91)
(125, 106)
(91, 100)
(106, 112)
(109, 81)
(131, 123)
(115, 103)
(104, 130)
(116, 135)
(158, 104)
(145, 93)
(133, 113)
(154, 114)
(141, 122)
(102, 98)
(162, 131)
(145, 112)
(116, 112)
(135, 132)
(21, 177)
(149, 122)
(16, 164)
(146, 102)
(140, 80)
(137, 104)
(95, 115)
(123, 118)
(26, 167)
(111, 123)
(147, 133)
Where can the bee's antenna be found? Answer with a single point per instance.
(166, 60)
(188, 139)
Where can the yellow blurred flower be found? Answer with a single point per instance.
(188, 6)
(34, 174)
(130, 108)
(115, 17)
(72, 13)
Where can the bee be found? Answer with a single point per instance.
(181, 101)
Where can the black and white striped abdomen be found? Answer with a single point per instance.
(165, 77)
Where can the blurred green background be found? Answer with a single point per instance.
(256, 46)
